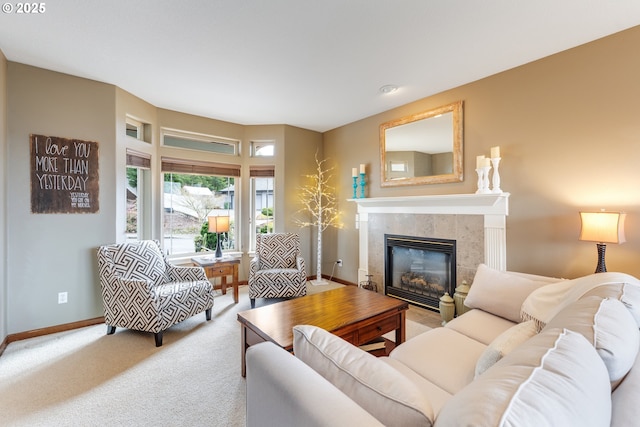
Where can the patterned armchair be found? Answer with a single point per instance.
(277, 270)
(141, 290)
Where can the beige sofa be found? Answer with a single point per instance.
(532, 351)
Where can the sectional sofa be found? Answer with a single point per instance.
(531, 351)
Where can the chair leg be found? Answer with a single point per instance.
(208, 313)
(253, 302)
(110, 329)
(158, 336)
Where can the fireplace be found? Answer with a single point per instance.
(418, 269)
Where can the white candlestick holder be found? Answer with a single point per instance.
(496, 175)
(485, 186)
(480, 172)
(483, 180)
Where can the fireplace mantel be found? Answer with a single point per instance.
(493, 207)
(453, 204)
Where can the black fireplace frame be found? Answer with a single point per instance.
(446, 246)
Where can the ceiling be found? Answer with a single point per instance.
(312, 64)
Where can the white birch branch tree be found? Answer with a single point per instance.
(319, 204)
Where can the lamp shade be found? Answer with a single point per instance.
(602, 227)
(218, 224)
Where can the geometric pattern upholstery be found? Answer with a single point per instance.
(277, 270)
(141, 290)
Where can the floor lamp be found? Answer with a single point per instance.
(602, 227)
(218, 224)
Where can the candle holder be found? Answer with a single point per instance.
(480, 172)
(362, 184)
(483, 180)
(485, 175)
(496, 175)
(355, 187)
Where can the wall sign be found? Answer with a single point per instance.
(64, 175)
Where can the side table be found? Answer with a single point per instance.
(221, 267)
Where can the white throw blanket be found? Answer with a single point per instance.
(545, 302)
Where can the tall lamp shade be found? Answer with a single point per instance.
(602, 227)
(218, 224)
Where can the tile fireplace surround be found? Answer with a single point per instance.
(476, 221)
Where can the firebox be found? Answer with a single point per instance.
(419, 269)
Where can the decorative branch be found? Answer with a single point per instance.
(319, 203)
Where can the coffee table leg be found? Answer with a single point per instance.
(243, 349)
(401, 331)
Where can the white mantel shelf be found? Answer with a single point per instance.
(493, 207)
(453, 204)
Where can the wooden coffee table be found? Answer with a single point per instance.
(352, 313)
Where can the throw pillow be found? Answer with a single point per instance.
(504, 344)
(627, 293)
(608, 326)
(554, 379)
(374, 385)
(501, 292)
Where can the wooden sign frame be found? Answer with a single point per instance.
(64, 175)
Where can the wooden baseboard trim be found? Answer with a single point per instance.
(337, 280)
(48, 330)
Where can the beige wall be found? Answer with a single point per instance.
(569, 130)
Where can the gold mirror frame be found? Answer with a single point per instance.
(456, 174)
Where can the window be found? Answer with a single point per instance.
(262, 198)
(192, 192)
(262, 148)
(194, 141)
(138, 166)
(137, 129)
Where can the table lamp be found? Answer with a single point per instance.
(218, 224)
(602, 227)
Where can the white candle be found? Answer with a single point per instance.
(479, 162)
(361, 167)
(495, 152)
(486, 162)
(354, 172)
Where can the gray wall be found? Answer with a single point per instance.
(52, 253)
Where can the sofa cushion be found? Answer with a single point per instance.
(555, 378)
(443, 356)
(501, 292)
(608, 326)
(625, 410)
(376, 386)
(504, 344)
(436, 396)
(479, 325)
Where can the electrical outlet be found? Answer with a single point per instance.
(339, 263)
(62, 297)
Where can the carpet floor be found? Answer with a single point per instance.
(85, 378)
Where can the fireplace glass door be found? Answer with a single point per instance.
(419, 270)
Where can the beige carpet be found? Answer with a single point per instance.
(86, 378)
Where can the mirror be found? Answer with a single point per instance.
(423, 148)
